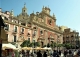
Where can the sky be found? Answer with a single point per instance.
(67, 12)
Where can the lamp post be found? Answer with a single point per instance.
(1, 26)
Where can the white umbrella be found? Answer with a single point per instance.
(27, 48)
(38, 48)
(8, 46)
(46, 48)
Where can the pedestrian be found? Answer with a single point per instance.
(13, 54)
(39, 54)
(45, 54)
(55, 54)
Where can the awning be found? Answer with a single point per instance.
(27, 48)
(46, 48)
(8, 46)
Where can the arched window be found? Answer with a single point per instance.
(24, 10)
(15, 29)
(50, 22)
(6, 27)
(41, 32)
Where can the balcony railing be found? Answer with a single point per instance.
(6, 28)
(29, 25)
(34, 35)
(51, 38)
(21, 33)
(41, 37)
(14, 31)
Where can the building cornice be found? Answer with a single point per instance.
(46, 27)
(15, 24)
(22, 20)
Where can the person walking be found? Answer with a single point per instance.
(39, 54)
(55, 54)
(44, 55)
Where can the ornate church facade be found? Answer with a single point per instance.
(40, 27)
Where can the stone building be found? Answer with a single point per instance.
(39, 27)
(15, 30)
(71, 36)
(62, 28)
(46, 29)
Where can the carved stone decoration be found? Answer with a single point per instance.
(41, 15)
(42, 20)
(29, 24)
(35, 18)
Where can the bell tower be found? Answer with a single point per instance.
(24, 9)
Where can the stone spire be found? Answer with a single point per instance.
(43, 8)
(33, 13)
(12, 12)
(53, 15)
(24, 9)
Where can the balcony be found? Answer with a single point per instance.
(50, 38)
(41, 38)
(21, 38)
(34, 35)
(14, 32)
(6, 29)
(29, 25)
(21, 33)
